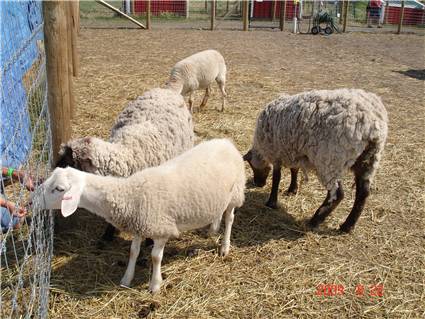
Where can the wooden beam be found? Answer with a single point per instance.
(103, 3)
(58, 95)
(77, 15)
(148, 14)
(245, 13)
(274, 6)
(74, 8)
(282, 15)
(400, 23)
(213, 7)
(346, 5)
(68, 13)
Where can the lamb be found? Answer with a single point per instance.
(188, 192)
(151, 130)
(197, 72)
(328, 131)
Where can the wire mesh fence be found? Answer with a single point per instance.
(27, 236)
(384, 16)
(301, 16)
(177, 14)
(365, 16)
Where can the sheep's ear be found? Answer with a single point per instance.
(70, 201)
(248, 156)
(65, 157)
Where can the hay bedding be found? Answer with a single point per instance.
(274, 265)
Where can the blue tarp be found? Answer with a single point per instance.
(20, 28)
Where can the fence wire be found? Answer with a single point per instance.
(26, 242)
(264, 14)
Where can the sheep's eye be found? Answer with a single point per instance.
(58, 189)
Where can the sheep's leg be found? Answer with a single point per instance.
(215, 226)
(272, 202)
(362, 192)
(157, 252)
(205, 99)
(228, 219)
(134, 253)
(190, 102)
(221, 84)
(293, 187)
(109, 233)
(333, 198)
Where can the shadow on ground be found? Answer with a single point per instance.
(416, 74)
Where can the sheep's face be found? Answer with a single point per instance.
(59, 191)
(260, 167)
(77, 154)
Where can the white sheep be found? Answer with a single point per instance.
(188, 192)
(151, 130)
(198, 72)
(327, 131)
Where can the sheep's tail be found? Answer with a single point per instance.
(368, 162)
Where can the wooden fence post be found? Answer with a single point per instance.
(148, 14)
(76, 6)
(68, 13)
(74, 30)
(245, 13)
(213, 7)
(282, 15)
(386, 12)
(58, 95)
(274, 4)
(346, 4)
(400, 23)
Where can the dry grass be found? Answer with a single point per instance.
(274, 266)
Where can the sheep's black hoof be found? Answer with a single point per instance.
(148, 242)
(272, 204)
(346, 228)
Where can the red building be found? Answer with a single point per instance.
(414, 13)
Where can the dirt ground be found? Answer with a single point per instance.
(275, 267)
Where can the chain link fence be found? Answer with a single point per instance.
(299, 16)
(26, 239)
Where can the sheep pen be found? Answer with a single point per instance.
(276, 268)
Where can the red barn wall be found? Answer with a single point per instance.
(411, 16)
(263, 9)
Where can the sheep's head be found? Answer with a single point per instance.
(259, 166)
(62, 190)
(77, 154)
